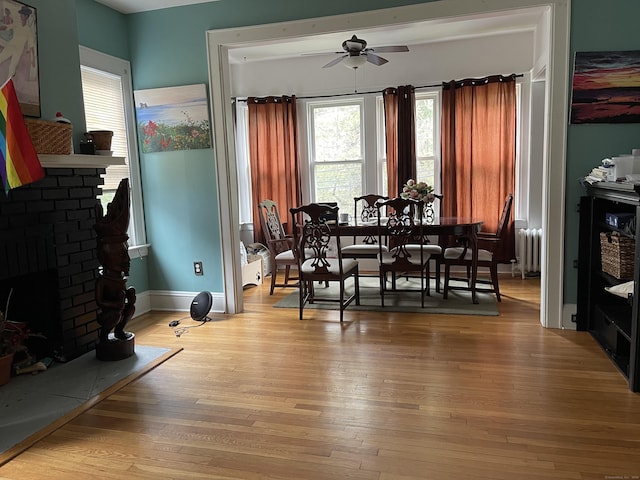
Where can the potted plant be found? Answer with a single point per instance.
(6, 352)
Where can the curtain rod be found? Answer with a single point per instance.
(517, 75)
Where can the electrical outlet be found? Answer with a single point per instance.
(197, 268)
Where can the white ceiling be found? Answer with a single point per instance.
(329, 44)
(135, 6)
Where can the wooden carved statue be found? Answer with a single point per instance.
(115, 300)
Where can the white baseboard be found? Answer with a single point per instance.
(167, 300)
(173, 301)
(143, 303)
(568, 312)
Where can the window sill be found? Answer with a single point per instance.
(139, 251)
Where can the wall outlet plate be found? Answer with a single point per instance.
(197, 268)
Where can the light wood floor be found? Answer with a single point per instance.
(383, 396)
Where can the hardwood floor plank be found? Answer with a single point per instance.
(383, 396)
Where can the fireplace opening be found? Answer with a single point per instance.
(32, 301)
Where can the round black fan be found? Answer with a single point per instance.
(201, 306)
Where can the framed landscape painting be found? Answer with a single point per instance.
(19, 53)
(606, 87)
(173, 118)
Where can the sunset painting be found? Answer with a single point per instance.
(606, 87)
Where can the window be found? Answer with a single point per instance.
(347, 152)
(427, 122)
(108, 103)
(346, 155)
(336, 151)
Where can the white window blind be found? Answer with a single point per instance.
(108, 101)
(103, 103)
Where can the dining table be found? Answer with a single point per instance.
(443, 227)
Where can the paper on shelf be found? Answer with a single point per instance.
(623, 289)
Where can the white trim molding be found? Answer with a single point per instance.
(553, 61)
(166, 300)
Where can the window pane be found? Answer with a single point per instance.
(338, 183)
(424, 127)
(425, 171)
(425, 140)
(336, 133)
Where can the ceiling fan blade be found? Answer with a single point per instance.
(397, 48)
(334, 61)
(375, 59)
(320, 53)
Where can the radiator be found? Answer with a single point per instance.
(528, 250)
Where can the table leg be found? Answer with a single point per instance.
(473, 244)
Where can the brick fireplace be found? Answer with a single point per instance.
(48, 252)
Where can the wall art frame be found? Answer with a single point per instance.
(606, 87)
(173, 118)
(19, 53)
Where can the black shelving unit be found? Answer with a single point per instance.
(612, 320)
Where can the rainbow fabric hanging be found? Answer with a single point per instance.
(19, 162)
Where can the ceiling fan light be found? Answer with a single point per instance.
(354, 61)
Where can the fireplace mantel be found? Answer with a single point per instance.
(79, 161)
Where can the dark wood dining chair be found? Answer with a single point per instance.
(280, 245)
(365, 212)
(432, 212)
(489, 245)
(408, 251)
(313, 244)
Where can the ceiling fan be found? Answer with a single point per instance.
(358, 53)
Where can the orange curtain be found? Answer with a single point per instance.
(478, 150)
(400, 136)
(275, 171)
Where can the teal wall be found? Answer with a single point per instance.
(102, 29)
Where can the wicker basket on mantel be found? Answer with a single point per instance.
(50, 137)
(617, 253)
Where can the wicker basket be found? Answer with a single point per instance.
(618, 253)
(50, 137)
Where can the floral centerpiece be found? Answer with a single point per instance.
(421, 191)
